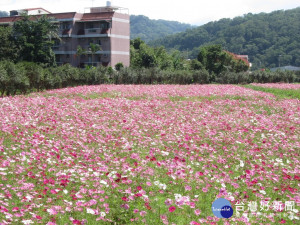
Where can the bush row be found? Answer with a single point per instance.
(26, 77)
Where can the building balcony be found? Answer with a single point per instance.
(61, 48)
(92, 32)
(64, 32)
(92, 63)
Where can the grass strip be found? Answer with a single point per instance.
(279, 93)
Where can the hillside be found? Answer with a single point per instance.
(148, 29)
(3, 13)
(270, 39)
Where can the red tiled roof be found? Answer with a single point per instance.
(97, 16)
(67, 15)
(9, 19)
(241, 57)
(13, 19)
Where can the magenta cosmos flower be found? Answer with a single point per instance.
(172, 208)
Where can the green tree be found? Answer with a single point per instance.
(119, 66)
(216, 60)
(4, 79)
(35, 37)
(8, 50)
(80, 51)
(93, 49)
(141, 55)
(14, 80)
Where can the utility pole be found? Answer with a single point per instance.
(279, 60)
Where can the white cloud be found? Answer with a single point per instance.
(5, 2)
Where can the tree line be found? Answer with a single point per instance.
(26, 77)
(27, 63)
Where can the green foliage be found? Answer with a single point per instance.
(266, 37)
(141, 54)
(69, 75)
(35, 74)
(201, 76)
(273, 77)
(8, 49)
(147, 29)
(216, 60)
(196, 65)
(35, 38)
(26, 77)
(4, 79)
(14, 79)
(94, 75)
(93, 49)
(144, 56)
(119, 66)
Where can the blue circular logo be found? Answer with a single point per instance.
(221, 208)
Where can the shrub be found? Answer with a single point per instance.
(35, 75)
(119, 66)
(201, 76)
(17, 79)
(4, 79)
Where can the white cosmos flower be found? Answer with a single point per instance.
(262, 192)
(241, 163)
(156, 182)
(27, 221)
(90, 211)
(163, 186)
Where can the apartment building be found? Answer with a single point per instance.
(108, 28)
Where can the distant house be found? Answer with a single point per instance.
(244, 58)
(108, 27)
(286, 68)
(32, 11)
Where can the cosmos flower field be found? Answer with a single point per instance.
(130, 154)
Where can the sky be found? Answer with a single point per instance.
(195, 12)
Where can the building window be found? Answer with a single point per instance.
(65, 26)
(105, 25)
(89, 25)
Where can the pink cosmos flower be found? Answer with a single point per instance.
(135, 210)
(188, 188)
(194, 223)
(197, 212)
(168, 201)
(52, 211)
(143, 213)
(172, 208)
